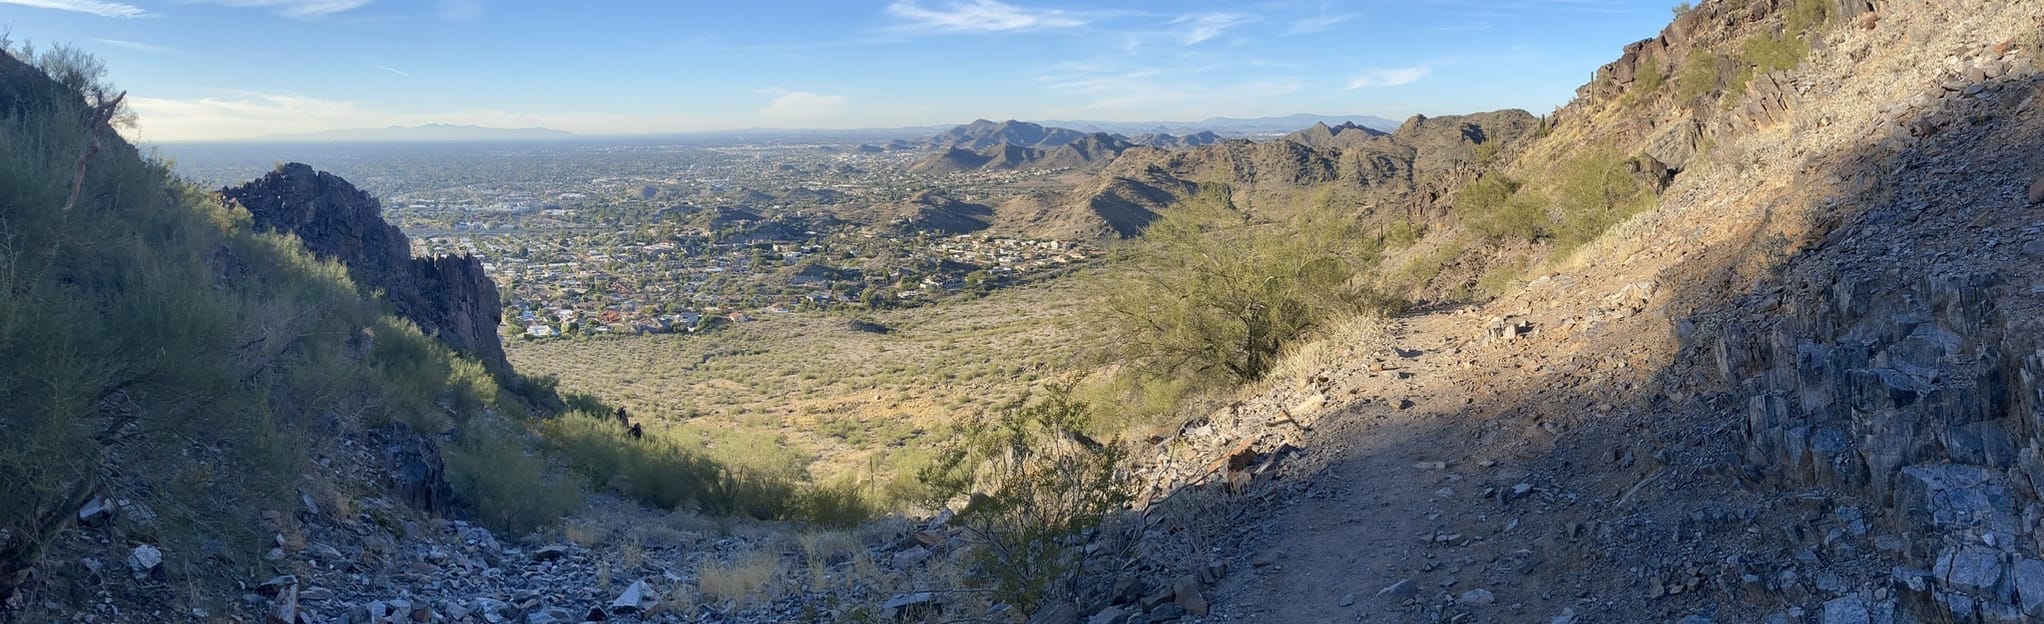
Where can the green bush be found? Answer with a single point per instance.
(1207, 292)
(1044, 487)
(1492, 208)
(509, 487)
(1596, 190)
(838, 504)
(1702, 75)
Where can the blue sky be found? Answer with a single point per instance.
(223, 69)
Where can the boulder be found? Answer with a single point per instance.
(144, 560)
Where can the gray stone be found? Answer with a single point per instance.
(551, 615)
(1567, 616)
(144, 559)
(631, 600)
(907, 606)
(1401, 590)
(1969, 568)
(550, 553)
(909, 558)
(1348, 600)
(1111, 615)
(1187, 595)
(284, 608)
(96, 512)
(2029, 580)
(1476, 597)
(1943, 497)
(1846, 610)
(1998, 613)
(1167, 613)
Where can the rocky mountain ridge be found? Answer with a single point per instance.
(448, 297)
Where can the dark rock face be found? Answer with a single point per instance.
(448, 297)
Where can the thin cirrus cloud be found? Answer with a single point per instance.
(979, 16)
(101, 8)
(1319, 23)
(1204, 26)
(296, 9)
(395, 70)
(1377, 78)
(139, 46)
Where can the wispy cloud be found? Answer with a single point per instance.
(296, 9)
(983, 16)
(1116, 90)
(395, 70)
(801, 106)
(101, 8)
(1203, 26)
(1376, 78)
(461, 10)
(1477, 26)
(139, 46)
(1319, 23)
(1497, 8)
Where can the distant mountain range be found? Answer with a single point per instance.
(1236, 126)
(429, 133)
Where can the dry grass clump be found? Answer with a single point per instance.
(743, 581)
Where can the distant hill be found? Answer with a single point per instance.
(982, 134)
(1084, 151)
(429, 133)
(1323, 136)
(1227, 126)
(1166, 140)
(1422, 159)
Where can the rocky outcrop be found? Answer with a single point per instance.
(448, 297)
(1898, 360)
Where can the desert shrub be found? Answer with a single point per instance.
(1595, 189)
(1403, 233)
(1124, 398)
(1491, 207)
(1647, 80)
(837, 504)
(1701, 75)
(662, 470)
(1772, 52)
(1044, 489)
(510, 487)
(1207, 292)
(1805, 15)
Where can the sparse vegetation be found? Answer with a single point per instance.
(163, 352)
(1045, 486)
(741, 580)
(814, 397)
(1701, 75)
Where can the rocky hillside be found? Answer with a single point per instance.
(448, 297)
(1086, 151)
(1797, 387)
(1387, 176)
(982, 134)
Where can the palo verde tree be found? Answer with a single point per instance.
(1211, 292)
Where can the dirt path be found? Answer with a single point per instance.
(1329, 551)
(1427, 506)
